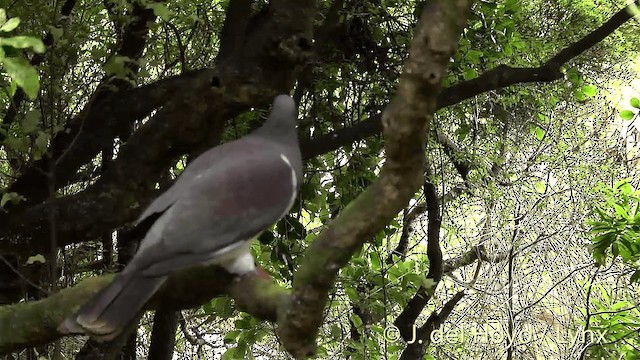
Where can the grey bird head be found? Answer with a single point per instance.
(280, 125)
(284, 110)
(222, 200)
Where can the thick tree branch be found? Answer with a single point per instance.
(593, 38)
(499, 77)
(163, 335)
(406, 320)
(191, 121)
(477, 252)
(263, 68)
(405, 121)
(33, 323)
(235, 26)
(129, 179)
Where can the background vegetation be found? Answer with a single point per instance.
(523, 236)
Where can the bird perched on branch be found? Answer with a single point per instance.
(222, 200)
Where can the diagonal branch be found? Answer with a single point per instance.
(500, 77)
(416, 350)
(405, 121)
(34, 323)
(193, 120)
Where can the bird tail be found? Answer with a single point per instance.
(109, 312)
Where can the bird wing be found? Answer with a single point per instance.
(234, 200)
(198, 166)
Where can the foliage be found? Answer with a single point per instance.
(22, 74)
(617, 225)
(533, 152)
(618, 323)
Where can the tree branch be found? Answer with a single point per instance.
(416, 350)
(88, 133)
(36, 60)
(405, 121)
(500, 77)
(191, 121)
(235, 27)
(406, 320)
(125, 107)
(163, 335)
(33, 323)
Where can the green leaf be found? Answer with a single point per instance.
(562, 146)
(208, 307)
(352, 294)
(231, 336)
(543, 117)
(590, 90)
(336, 331)
(99, 54)
(20, 144)
(625, 188)
(635, 102)
(624, 252)
(56, 32)
(539, 134)
(232, 354)
(357, 322)
(626, 114)
(31, 121)
(359, 261)
(599, 255)
(603, 214)
(470, 74)
(540, 186)
(35, 259)
(375, 260)
(415, 279)
(41, 144)
(161, 10)
(24, 42)
(463, 131)
(508, 50)
(621, 211)
(11, 196)
(23, 74)
(222, 307)
(10, 24)
(116, 66)
(474, 56)
(604, 240)
(574, 76)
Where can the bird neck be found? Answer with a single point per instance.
(279, 131)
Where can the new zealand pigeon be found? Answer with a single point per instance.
(222, 201)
